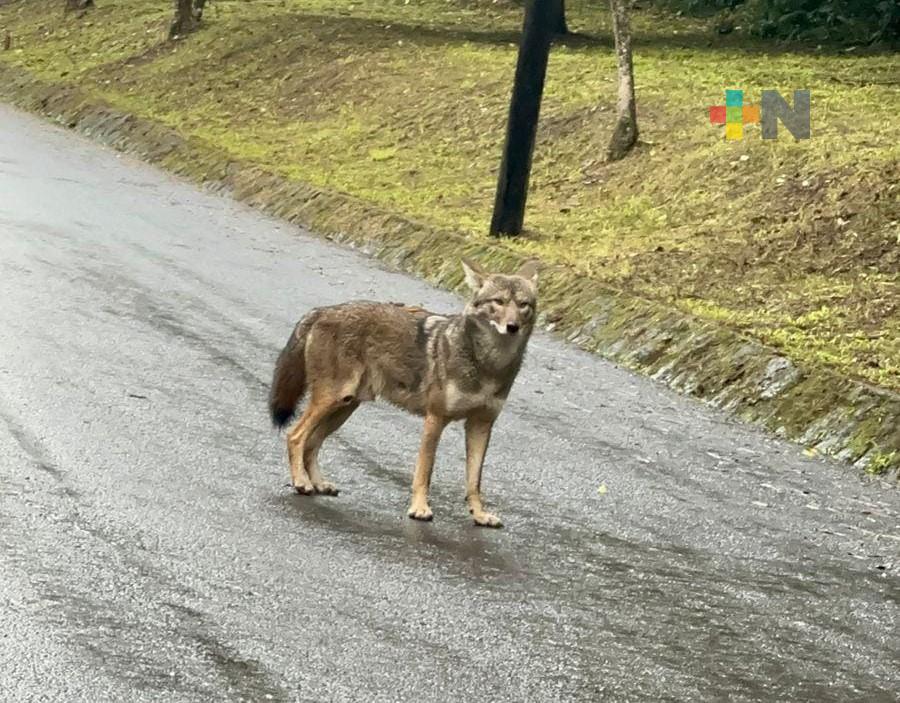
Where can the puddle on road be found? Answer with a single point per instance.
(469, 552)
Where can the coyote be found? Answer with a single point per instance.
(442, 367)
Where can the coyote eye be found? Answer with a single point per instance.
(525, 305)
(498, 301)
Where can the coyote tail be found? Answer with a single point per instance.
(289, 379)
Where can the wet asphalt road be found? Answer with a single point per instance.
(151, 551)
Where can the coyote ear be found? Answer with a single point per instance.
(529, 271)
(475, 275)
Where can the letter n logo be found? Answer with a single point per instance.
(774, 108)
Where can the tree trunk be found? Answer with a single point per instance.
(521, 128)
(185, 21)
(625, 133)
(559, 17)
(75, 5)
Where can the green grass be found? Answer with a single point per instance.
(403, 105)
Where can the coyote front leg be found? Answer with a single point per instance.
(478, 435)
(431, 435)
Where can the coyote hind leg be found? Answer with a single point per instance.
(317, 436)
(319, 408)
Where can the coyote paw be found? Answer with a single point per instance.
(483, 519)
(305, 488)
(326, 488)
(420, 513)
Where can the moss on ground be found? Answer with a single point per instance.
(796, 244)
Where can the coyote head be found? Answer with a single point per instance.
(507, 303)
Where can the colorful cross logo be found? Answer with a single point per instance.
(734, 114)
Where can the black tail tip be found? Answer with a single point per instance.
(281, 417)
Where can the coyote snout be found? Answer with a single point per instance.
(445, 368)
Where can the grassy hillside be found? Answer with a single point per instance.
(402, 103)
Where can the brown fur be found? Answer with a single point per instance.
(445, 368)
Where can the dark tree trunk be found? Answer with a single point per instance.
(75, 5)
(185, 20)
(521, 128)
(625, 133)
(559, 17)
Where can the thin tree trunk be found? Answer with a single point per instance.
(559, 17)
(185, 21)
(521, 128)
(625, 133)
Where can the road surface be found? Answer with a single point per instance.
(150, 549)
